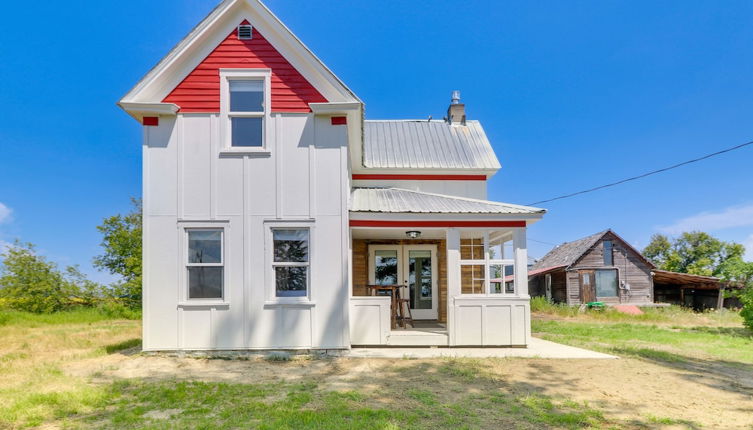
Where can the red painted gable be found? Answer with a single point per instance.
(200, 90)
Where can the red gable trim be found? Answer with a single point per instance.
(448, 223)
(339, 120)
(389, 177)
(150, 121)
(200, 90)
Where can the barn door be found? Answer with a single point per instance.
(587, 286)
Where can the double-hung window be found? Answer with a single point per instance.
(245, 108)
(291, 261)
(205, 264)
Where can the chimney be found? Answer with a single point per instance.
(456, 111)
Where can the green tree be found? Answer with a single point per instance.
(695, 252)
(121, 240)
(29, 282)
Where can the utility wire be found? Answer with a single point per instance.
(601, 187)
(541, 241)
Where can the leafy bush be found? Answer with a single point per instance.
(746, 297)
(29, 282)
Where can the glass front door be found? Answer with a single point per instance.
(412, 266)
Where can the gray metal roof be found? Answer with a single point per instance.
(397, 200)
(567, 253)
(418, 144)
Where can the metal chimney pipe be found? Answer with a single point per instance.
(456, 97)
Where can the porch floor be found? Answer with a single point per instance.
(423, 333)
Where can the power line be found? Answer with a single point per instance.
(601, 187)
(541, 241)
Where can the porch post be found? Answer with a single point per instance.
(521, 261)
(453, 279)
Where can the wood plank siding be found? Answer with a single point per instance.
(361, 267)
(630, 266)
(200, 90)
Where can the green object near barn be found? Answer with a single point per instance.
(597, 306)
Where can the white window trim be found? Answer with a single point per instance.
(487, 263)
(227, 75)
(270, 281)
(184, 265)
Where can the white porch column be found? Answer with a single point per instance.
(453, 280)
(521, 261)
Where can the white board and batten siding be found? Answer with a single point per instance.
(190, 182)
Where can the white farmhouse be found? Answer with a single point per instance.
(276, 217)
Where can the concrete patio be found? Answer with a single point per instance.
(538, 348)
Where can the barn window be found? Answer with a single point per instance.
(290, 262)
(606, 283)
(205, 263)
(608, 254)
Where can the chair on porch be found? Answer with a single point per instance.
(398, 305)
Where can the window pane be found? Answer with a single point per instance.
(205, 246)
(497, 275)
(247, 131)
(205, 282)
(510, 279)
(385, 267)
(472, 279)
(291, 281)
(291, 246)
(247, 96)
(472, 249)
(608, 261)
(419, 279)
(606, 283)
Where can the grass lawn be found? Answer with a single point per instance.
(68, 371)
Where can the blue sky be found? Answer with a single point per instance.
(572, 95)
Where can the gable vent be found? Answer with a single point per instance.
(245, 32)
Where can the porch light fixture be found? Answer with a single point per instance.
(413, 234)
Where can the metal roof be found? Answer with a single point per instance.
(568, 253)
(397, 200)
(420, 144)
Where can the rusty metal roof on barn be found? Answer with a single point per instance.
(414, 144)
(398, 200)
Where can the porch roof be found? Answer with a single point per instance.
(398, 200)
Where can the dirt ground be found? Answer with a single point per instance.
(627, 389)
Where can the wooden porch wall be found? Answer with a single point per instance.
(631, 268)
(537, 286)
(361, 267)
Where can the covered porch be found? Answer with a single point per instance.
(462, 274)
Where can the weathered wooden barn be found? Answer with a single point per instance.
(601, 267)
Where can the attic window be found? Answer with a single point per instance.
(245, 32)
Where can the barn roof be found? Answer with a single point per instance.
(569, 253)
(421, 144)
(397, 200)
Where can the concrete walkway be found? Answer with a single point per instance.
(538, 348)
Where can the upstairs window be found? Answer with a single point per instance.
(246, 113)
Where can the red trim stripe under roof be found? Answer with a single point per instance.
(434, 223)
(417, 177)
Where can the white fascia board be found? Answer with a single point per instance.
(360, 170)
(139, 110)
(341, 108)
(406, 216)
(205, 37)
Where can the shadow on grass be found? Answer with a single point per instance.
(728, 331)
(122, 346)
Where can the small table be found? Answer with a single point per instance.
(394, 292)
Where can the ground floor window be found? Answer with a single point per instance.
(205, 263)
(290, 262)
(487, 263)
(606, 283)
